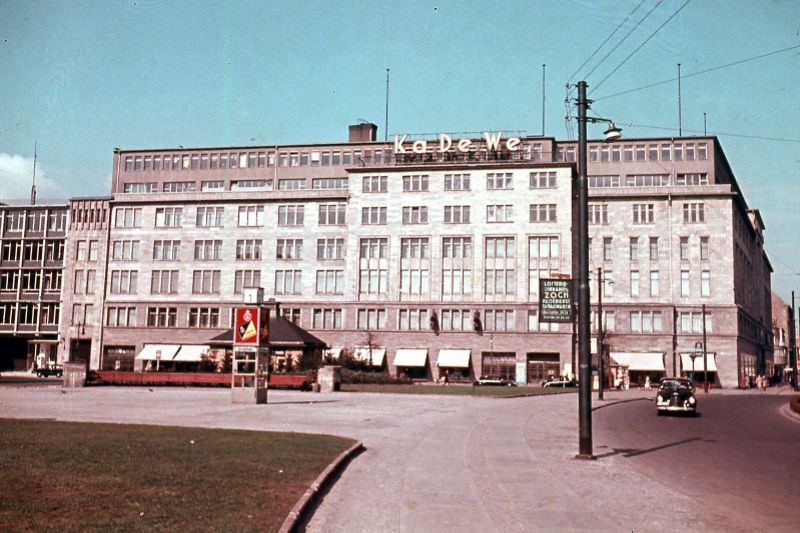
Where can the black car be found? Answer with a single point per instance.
(493, 380)
(49, 370)
(676, 395)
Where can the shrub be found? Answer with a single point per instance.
(370, 377)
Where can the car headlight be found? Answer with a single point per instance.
(692, 400)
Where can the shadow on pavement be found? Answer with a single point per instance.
(633, 452)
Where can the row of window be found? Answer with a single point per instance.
(665, 151)
(634, 253)
(34, 221)
(644, 213)
(49, 250)
(29, 313)
(30, 280)
(214, 185)
(647, 180)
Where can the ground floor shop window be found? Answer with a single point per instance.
(542, 366)
(499, 365)
(119, 358)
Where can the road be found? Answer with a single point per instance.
(739, 459)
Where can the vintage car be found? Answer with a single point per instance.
(494, 380)
(676, 395)
(562, 382)
(51, 369)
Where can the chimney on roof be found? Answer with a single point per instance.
(363, 132)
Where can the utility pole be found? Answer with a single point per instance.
(793, 346)
(705, 353)
(386, 116)
(674, 341)
(601, 351)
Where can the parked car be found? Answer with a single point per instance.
(676, 395)
(560, 382)
(493, 380)
(50, 370)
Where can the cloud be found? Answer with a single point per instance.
(16, 172)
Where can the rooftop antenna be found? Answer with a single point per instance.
(33, 185)
(544, 67)
(386, 116)
(705, 129)
(680, 119)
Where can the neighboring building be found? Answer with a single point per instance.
(31, 273)
(782, 329)
(398, 252)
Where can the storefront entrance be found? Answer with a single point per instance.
(499, 365)
(542, 366)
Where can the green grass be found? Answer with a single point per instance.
(59, 476)
(454, 390)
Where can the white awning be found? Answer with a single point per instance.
(158, 352)
(567, 370)
(453, 358)
(362, 353)
(686, 362)
(406, 357)
(643, 361)
(192, 353)
(333, 353)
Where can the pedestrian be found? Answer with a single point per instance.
(647, 383)
(764, 383)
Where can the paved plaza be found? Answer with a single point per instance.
(432, 463)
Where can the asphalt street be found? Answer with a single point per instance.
(433, 463)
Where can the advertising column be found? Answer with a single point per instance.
(250, 355)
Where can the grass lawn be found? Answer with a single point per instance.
(457, 390)
(62, 476)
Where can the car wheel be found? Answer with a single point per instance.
(660, 413)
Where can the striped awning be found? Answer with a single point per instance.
(158, 352)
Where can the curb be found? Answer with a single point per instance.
(301, 510)
(615, 402)
(787, 411)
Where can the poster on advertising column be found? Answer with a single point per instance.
(555, 300)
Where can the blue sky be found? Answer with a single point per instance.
(82, 77)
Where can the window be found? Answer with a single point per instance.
(124, 281)
(52, 280)
(203, 317)
(9, 280)
(414, 266)
(684, 248)
(80, 250)
(684, 283)
(327, 319)
(209, 217)
(702, 152)
(456, 182)
(456, 214)
(332, 214)
(654, 287)
(456, 266)
(640, 152)
(332, 248)
(251, 185)
(32, 280)
(15, 220)
(542, 213)
(642, 213)
(598, 214)
(290, 215)
(544, 259)
(607, 249)
(413, 319)
(646, 321)
(29, 313)
(693, 212)
(251, 215)
(12, 250)
(499, 281)
(245, 278)
(121, 316)
(692, 322)
(415, 183)
(633, 248)
(330, 282)
(164, 282)
(652, 152)
(498, 320)
(289, 248)
(330, 183)
(704, 250)
(248, 249)
(179, 186)
(653, 248)
(535, 325)
(373, 266)
(646, 180)
(294, 184)
(207, 250)
(93, 247)
(608, 283)
(139, 188)
(415, 215)
(162, 317)
(33, 251)
(369, 319)
(291, 313)
(374, 184)
(90, 280)
(456, 320)
(166, 250)
(169, 217)
(698, 178)
(705, 283)
(634, 283)
(499, 213)
(288, 282)
(496, 181)
(603, 181)
(373, 215)
(542, 180)
(206, 281)
(212, 185)
(54, 250)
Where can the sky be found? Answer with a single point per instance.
(78, 78)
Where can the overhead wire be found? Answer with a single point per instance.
(641, 45)
(606, 40)
(705, 71)
(710, 133)
(623, 39)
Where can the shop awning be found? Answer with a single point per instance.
(333, 353)
(686, 362)
(567, 369)
(449, 358)
(158, 352)
(406, 357)
(642, 361)
(362, 353)
(191, 353)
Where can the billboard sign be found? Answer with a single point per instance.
(246, 327)
(555, 300)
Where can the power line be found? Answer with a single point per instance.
(623, 39)
(604, 42)
(643, 43)
(684, 76)
(717, 134)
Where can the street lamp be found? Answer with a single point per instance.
(581, 273)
